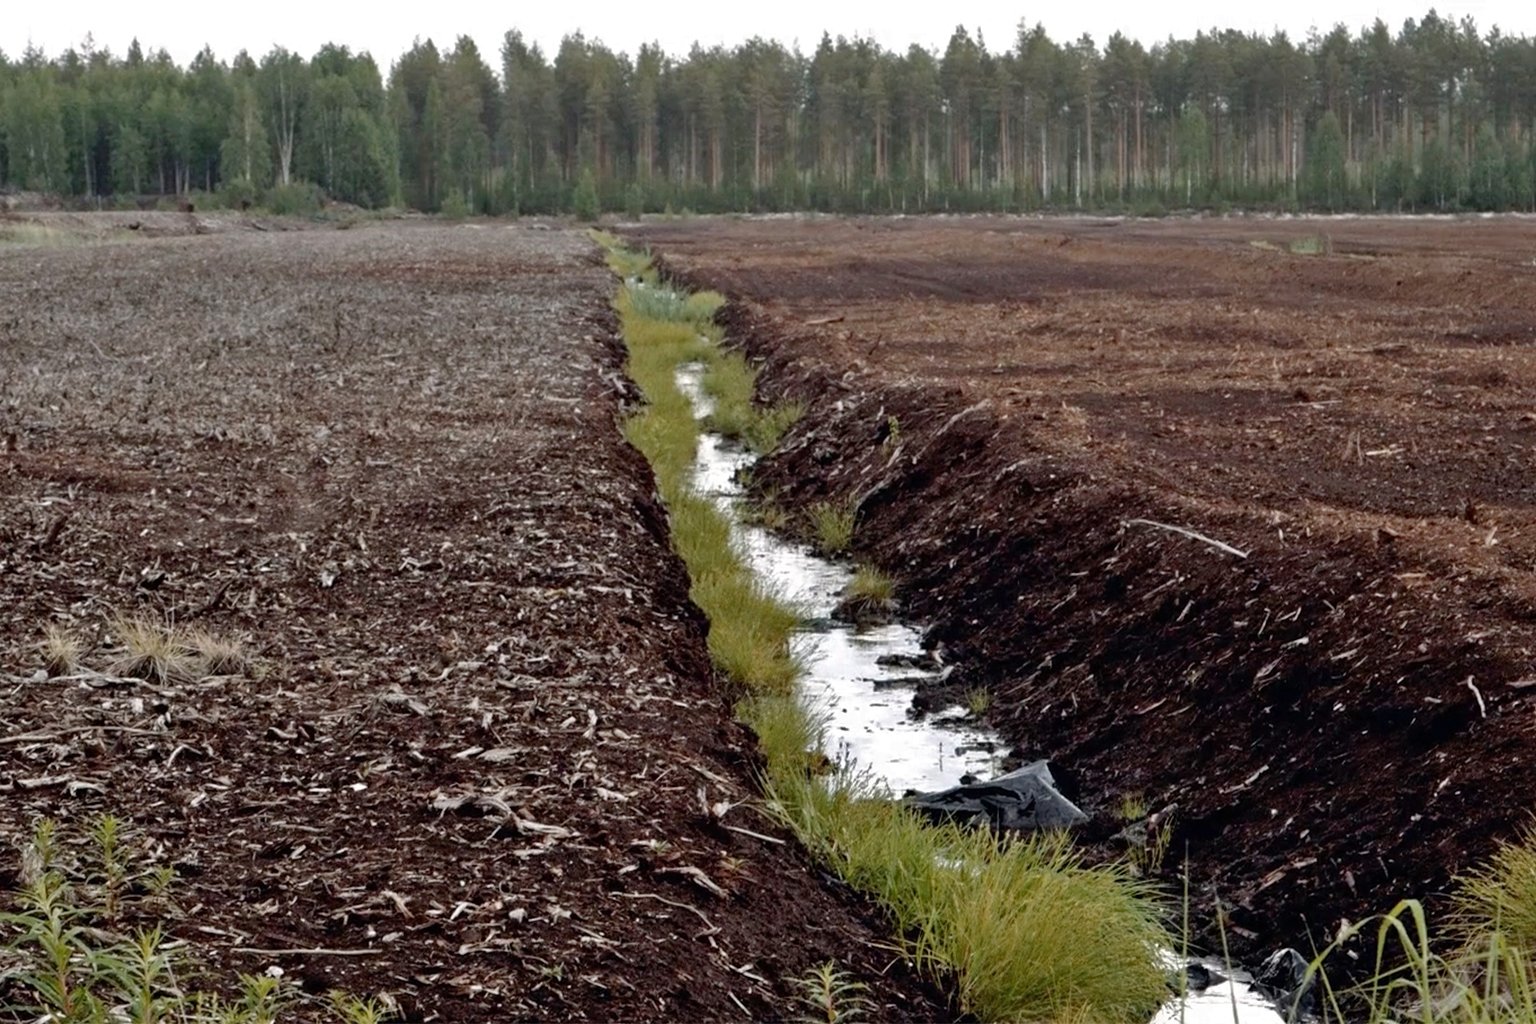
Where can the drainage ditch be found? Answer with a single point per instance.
(860, 680)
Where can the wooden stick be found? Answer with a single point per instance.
(756, 835)
(1482, 709)
(307, 952)
(710, 925)
(1191, 534)
(57, 734)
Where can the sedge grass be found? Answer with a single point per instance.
(1022, 929)
(832, 524)
(771, 423)
(1478, 968)
(870, 585)
(153, 652)
(62, 651)
(731, 381)
(1500, 896)
(218, 655)
(869, 594)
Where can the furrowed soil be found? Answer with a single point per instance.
(1344, 717)
(466, 765)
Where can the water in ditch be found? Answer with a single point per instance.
(865, 703)
(868, 720)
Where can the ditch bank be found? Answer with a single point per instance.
(1330, 723)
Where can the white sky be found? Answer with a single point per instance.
(386, 28)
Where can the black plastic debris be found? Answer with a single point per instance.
(1198, 977)
(1024, 800)
(1283, 979)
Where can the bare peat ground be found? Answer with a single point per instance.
(1345, 717)
(467, 767)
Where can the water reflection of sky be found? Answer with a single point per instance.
(865, 724)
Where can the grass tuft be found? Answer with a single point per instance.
(870, 585)
(217, 655)
(869, 596)
(1312, 245)
(1133, 807)
(732, 382)
(978, 701)
(703, 306)
(832, 526)
(62, 651)
(153, 652)
(771, 425)
(26, 233)
(1500, 896)
(162, 654)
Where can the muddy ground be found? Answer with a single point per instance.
(1345, 714)
(465, 767)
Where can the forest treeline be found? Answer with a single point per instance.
(1434, 116)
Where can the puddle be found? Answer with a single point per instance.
(1233, 1001)
(868, 724)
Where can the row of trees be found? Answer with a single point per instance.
(1436, 115)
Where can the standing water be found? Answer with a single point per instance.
(862, 700)
(866, 703)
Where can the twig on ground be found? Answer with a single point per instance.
(54, 734)
(1482, 709)
(709, 925)
(755, 835)
(307, 952)
(1191, 534)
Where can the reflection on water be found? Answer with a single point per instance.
(867, 723)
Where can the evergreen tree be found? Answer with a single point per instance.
(1325, 185)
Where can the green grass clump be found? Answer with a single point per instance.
(1133, 807)
(732, 382)
(1479, 968)
(1033, 934)
(656, 302)
(627, 264)
(869, 595)
(1500, 896)
(832, 526)
(767, 513)
(978, 701)
(870, 584)
(1027, 931)
(771, 423)
(702, 307)
(666, 442)
(653, 301)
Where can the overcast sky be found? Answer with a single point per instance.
(387, 28)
